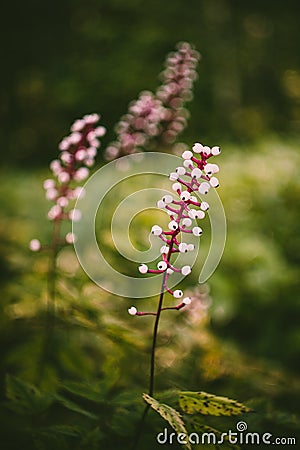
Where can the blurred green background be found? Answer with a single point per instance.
(61, 60)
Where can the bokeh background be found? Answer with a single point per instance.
(63, 59)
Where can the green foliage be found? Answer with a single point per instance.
(210, 404)
(170, 414)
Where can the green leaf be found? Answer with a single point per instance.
(92, 392)
(210, 404)
(74, 407)
(170, 414)
(25, 398)
(209, 437)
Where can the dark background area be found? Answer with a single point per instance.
(60, 59)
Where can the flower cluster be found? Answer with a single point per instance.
(160, 115)
(195, 175)
(176, 89)
(77, 155)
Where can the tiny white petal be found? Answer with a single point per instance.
(197, 231)
(204, 206)
(167, 199)
(75, 215)
(188, 163)
(178, 293)
(187, 222)
(187, 154)
(132, 311)
(204, 188)
(70, 238)
(162, 265)
(183, 247)
(164, 249)
(193, 198)
(173, 176)
(34, 245)
(216, 150)
(170, 271)
(207, 150)
(176, 186)
(196, 173)
(173, 225)
(156, 230)
(185, 196)
(186, 270)
(180, 170)
(143, 268)
(214, 182)
(161, 204)
(191, 247)
(197, 147)
(187, 300)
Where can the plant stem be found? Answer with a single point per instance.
(51, 294)
(153, 350)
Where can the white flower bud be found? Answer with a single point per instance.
(156, 230)
(207, 150)
(187, 222)
(143, 268)
(164, 249)
(132, 311)
(188, 163)
(70, 238)
(176, 186)
(197, 147)
(191, 247)
(199, 214)
(197, 231)
(186, 270)
(167, 199)
(161, 204)
(48, 184)
(204, 206)
(208, 169)
(187, 300)
(214, 182)
(162, 265)
(187, 154)
(34, 245)
(192, 213)
(63, 177)
(75, 215)
(193, 198)
(204, 188)
(196, 173)
(180, 170)
(185, 196)
(173, 176)
(216, 150)
(178, 293)
(173, 225)
(182, 247)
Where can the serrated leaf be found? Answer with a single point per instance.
(170, 414)
(72, 406)
(210, 404)
(25, 398)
